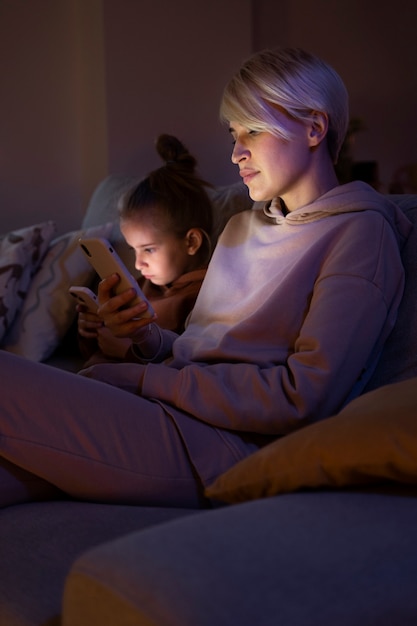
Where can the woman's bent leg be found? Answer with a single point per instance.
(91, 440)
(17, 485)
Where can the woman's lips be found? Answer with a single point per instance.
(247, 175)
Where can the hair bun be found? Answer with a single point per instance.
(173, 152)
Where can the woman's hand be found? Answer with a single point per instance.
(127, 376)
(122, 320)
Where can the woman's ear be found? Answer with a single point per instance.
(193, 239)
(318, 127)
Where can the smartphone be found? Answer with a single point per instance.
(84, 295)
(105, 260)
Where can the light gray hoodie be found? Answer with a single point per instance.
(291, 317)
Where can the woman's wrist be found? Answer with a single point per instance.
(147, 343)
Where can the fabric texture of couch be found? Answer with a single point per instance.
(317, 528)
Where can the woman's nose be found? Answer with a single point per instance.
(239, 153)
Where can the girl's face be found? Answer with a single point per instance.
(161, 257)
(271, 166)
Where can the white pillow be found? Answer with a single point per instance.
(21, 252)
(49, 310)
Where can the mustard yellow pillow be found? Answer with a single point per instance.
(374, 438)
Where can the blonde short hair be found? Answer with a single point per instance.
(289, 79)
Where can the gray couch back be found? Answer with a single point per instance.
(399, 357)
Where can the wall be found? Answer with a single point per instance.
(165, 73)
(34, 128)
(373, 45)
(86, 86)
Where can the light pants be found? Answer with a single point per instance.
(61, 432)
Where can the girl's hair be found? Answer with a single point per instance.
(289, 79)
(173, 196)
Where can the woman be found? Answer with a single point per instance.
(296, 304)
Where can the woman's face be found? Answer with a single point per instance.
(271, 166)
(160, 256)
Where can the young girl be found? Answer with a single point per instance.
(297, 302)
(167, 221)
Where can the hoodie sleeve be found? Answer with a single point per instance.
(352, 311)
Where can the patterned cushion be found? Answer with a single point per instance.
(49, 310)
(21, 252)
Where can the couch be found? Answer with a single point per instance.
(317, 528)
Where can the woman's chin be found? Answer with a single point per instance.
(258, 197)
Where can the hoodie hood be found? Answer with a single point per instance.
(353, 197)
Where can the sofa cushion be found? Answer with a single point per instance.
(48, 309)
(21, 252)
(105, 198)
(302, 559)
(103, 207)
(373, 439)
(226, 202)
(40, 541)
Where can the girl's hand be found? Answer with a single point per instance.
(122, 322)
(111, 346)
(88, 323)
